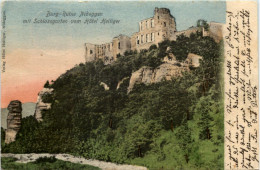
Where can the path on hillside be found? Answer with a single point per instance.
(25, 158)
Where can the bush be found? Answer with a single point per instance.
(152, 47)
(47, 98)
(9, 163)
(47, 84)
(45, 159)
(2, 137)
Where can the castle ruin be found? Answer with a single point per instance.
(160, 27)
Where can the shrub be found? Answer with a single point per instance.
(152, 47)
(45, 159)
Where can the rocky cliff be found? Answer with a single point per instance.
(13, 120)
(40, 105)
(28, 110)
(147, 75)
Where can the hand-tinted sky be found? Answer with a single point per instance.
(39, 52)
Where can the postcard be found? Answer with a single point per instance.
(129, 85)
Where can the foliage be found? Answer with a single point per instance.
(2, 137)
(47, 98)
(176, 123)
(204, 46)
(47, 84)
(203, 23)
(152, 47)
(46, 159)
(44, 163)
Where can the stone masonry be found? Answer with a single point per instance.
(107, 52)
(153, 30)
(13, 120)
(160, 27)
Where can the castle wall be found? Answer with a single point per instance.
(108, 52)
(215, 31)
(186, 33)
(154, 30)
(103, 51)
(148, 40)
(90, 52)
(121, 44)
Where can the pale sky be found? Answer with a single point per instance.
(39, 52)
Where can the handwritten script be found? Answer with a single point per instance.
(241, 92)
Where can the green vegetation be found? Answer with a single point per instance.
(203, 23)
(2, 137)
(172, 124)
(43, 163)
(47, 84)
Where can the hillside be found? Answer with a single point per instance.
(169, 124)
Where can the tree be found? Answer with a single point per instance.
(203, 23)
(47, 84)
(180, 118)
(183, 135)
(152, 47)
(2, 137)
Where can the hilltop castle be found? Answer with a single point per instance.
(160, 27)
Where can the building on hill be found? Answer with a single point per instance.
(107, 52)
(153, 30)
(215, 31)
(187, 32)
(160, 27)
(120, 45)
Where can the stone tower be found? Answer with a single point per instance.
(154, 30)
(13, 120)
(164, 21)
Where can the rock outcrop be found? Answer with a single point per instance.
(147, 75)
(40, 105)
(106, 87)
(121, 82)
(13, 120)
(28, 110)
(170, 68)
(193, 60)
